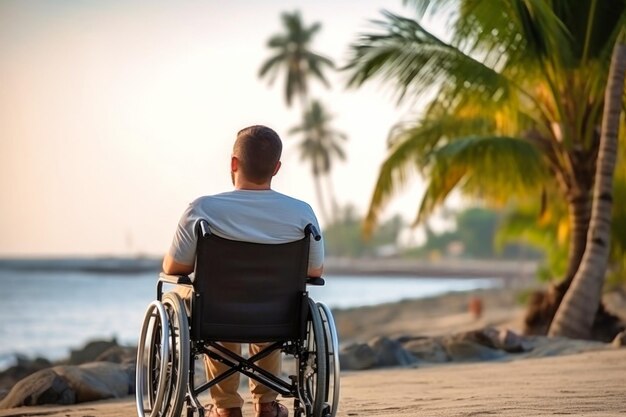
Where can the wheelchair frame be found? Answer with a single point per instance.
(167, 352)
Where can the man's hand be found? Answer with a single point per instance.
(171, 267)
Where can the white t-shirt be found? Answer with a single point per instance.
(258, 216)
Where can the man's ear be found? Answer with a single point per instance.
(278, 164)
(234, 164)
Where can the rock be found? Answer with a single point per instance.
(390, 352)
(42, 387)
(498, 339)
(21, 370)
(98, 380)
(357, 356)
(427, 349)
(91, 351)
(463, 350)
(118, 354)
(620, 339)
(511, 342)
(68, 384)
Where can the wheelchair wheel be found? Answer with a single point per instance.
(312, 367)
(332, 361)
(178, 360)
(151, 380)
(163, 359)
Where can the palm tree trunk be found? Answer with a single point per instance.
(577, 311)
(542, 305)
(579, 216)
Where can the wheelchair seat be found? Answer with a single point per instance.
(242, 292)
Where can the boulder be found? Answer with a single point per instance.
(21, 370)
(390, 352)
(118, 354)
(476, 345)
(68, 384)
(427, 350)
(464, 350)
(91, 351)
(42, 387)
(511, 342)
(98, 380)
(357, 356)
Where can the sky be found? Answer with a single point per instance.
(114, 115)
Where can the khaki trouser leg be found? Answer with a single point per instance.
(225, 393)
(271, 363)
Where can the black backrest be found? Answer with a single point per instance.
(249, 292)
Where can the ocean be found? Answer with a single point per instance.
(48, 313)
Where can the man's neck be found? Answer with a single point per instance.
(250, 186)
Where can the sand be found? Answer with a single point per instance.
(589, 383)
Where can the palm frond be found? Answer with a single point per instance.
(410, 58)
(488, 167)
(272, 66)
(432, 7)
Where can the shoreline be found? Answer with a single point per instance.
(581, 378)
(399, 267)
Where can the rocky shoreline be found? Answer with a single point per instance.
(409, 334)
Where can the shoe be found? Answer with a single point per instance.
(273, 409)
(213, 411)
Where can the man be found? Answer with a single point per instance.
(252, 212)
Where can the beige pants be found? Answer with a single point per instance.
(225, 394)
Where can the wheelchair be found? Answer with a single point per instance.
(247, 293)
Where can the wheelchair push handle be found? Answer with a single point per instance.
(203, 228)
(312, 230)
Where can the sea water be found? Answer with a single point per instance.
(48, 313)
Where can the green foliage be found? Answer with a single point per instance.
(527, 71)
(524, 223)
(321, 143)
(292, 55)
(344, 238)
(475, 230)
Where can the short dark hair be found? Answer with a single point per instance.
(258, 149)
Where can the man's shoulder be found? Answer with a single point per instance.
(286, 199)
(237, 197)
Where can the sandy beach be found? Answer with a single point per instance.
(567, 379)
(584, 384)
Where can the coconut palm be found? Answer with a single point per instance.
(293, 56)
(576, 313)
(518, 98)
(320, 145)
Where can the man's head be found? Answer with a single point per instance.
(256, 155)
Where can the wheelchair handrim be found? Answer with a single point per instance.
(140, 377)
(329, 327)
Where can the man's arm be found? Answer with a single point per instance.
(171, 267)
(315, 272)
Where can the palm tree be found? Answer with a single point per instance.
(576, 314)
(518, 101)
(320, 144)
(292, 55)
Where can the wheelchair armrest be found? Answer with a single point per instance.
(315, 281)
(175, 279)
(172, 279)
